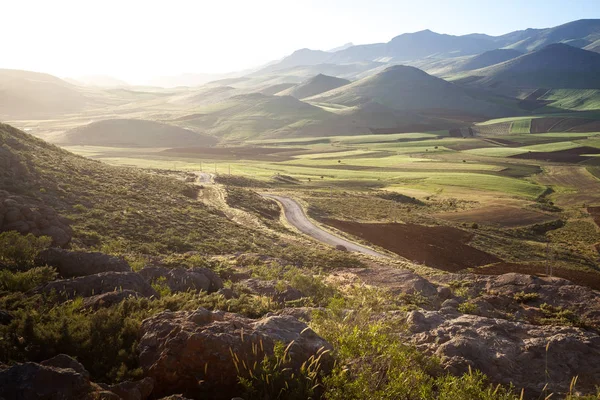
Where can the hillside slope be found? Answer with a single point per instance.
(408, 88)
(555, 66)
(122, 208)
(25, 94)
(134, 133)
(488, 58)
(315, 85)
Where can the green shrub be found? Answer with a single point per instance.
(273, 377)
(17, 250)
(523, 297)
(467, 308)
(15, 281)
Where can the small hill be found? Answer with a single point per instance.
(488, 58)
(408, 88)
(276, 88)
(315, 85)
(254, 115)
(26, 94)
(206, 95)
(555, 66)
(134, 133)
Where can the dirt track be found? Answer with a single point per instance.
(295, 216)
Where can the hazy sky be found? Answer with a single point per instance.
(136, 40)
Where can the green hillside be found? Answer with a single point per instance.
(134, 133)
(314, 86)
(408, 88)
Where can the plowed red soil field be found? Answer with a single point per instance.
(566, 156)
(556, 124)
(584, 278)
(441, 247)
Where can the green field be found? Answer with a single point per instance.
(521, 126)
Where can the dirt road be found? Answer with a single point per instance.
(295, 216)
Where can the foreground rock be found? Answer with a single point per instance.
(63, 378)
(510, 352)
(30, 216)
(278, 292)
(71, 264)
(184, 279)
(529, 299)
(191, 353)
(109, 299)
(92, 285)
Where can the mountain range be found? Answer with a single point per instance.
(416, 81)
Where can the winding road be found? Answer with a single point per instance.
(295, 216)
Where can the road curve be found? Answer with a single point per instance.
(295, 216)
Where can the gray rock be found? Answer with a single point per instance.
(510, 352)
(92, 285)
(193, 352)
(272, 289)
(184, 279)
(71, 264)
(31, 381)
(109, 299)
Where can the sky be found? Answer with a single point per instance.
(137, 40)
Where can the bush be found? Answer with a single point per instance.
(20, 251)
(14, 281)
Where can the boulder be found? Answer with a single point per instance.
(63, 378)
(71, 264)
(26, 215)
(64, 361)
(5, 317)
(510, 352)
(92, 285)
(109, 299)
(32, 381)
(193, 352)
(137, 390)
(278, 292)
(184, 279)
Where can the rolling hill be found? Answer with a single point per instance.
(315, 85)
(26, 94)
(253, 115)
(555, 66)
(488, 58)
(134, 133)
(408, 88)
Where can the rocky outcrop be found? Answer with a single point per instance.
(92, 285)
(71, 264)
(193, 352)
(528, 298)
(138, 390)
(25, 216)
(109, 299)
(63, 378)
(32, 381)
(280, 292)
(184, 279)
(528, 356)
